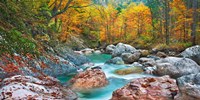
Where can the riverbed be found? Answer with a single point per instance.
(115, 81)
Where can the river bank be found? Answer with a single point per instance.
(112, 73)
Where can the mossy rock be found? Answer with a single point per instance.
(144, 53)
(130, 70)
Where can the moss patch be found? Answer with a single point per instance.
(130, 70)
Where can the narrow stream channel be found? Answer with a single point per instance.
(115, 81)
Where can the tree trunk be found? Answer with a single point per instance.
(194, 23)
(167, 9)
(125, 33)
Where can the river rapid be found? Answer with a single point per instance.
(115, 81)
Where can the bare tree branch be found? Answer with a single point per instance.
(56, 12)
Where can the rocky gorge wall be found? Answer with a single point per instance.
(33, 77)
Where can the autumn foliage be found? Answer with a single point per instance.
(112, 23)
(25, 24)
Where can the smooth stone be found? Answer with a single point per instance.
(176, 67)
(189, 86)
(192, 53)
(130, 58)
(89, 79)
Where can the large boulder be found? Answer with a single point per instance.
(30, 88)
(122, 48)
(192, 53)
(189, 87)
(130, 58)
(147, 62)
(176, 67)
(58, 67)
(89, 79)
(160, 88)
(110, 49)
(115, 60)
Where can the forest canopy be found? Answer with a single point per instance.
(142, 23)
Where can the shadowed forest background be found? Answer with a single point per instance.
(170, 24)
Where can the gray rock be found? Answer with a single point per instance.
(122, 48)
(97, 52)
(129, 57)
(149, 70)
(59, 68)
(136, 64)
(147, 62)
(161, 54)
(153, 57)
(192, 53)
(69, 55)
(2, 74)
(87, 51)
(189, 87)
(176, 67)
(115, 60)
(110, 48)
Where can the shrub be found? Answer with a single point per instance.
(13, 42)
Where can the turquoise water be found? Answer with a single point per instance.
(99, 58)
(64, 79)
(115, 81)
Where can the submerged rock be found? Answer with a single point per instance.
(160, 88)
(189, 86)
(27, 87)
(129, 70)
(176, 67)
(89, 79)
(192, 53)
(115, 60)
